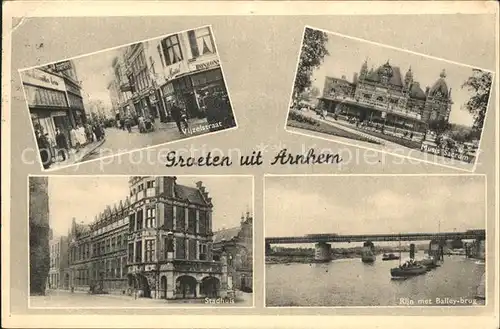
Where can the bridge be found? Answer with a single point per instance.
(323, 247)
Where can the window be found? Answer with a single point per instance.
(138, 252)
(113, 244)
(191, 220)
(203, 251)
(201, 42)
(180, 248)
(124, 267)
(130, 252)
(150, 184)
(161, 55)
(150, 217)
(150, 250)
(140, 218)
(131, 223)
(119, 242)
(193, 250)
(171, 50)
(180, 214)
(202, 222)
(169, 217)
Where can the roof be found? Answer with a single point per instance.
(191, 194)
(417, 92)
(439, 86)
(395, 79)
(226, 234)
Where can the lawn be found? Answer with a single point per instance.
(325, 128)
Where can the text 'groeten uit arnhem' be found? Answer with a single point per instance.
(283, 157)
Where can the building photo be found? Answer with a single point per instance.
(361, 93)
(122, 99)
(410, 240)
(156, 240)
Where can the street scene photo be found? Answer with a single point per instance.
(352, 241)
(140, 241)
(127, 98)
(369, 95)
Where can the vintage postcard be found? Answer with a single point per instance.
(144, 94)
(149, 241)
(355, 91)
(400, 241)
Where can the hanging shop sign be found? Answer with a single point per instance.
(40, 78)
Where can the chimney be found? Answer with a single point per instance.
(170, 186)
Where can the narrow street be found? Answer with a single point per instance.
(121, 141)
(66, 299)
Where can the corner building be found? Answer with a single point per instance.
(170, 241)
(156, 243)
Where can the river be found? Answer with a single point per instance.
(349, 282)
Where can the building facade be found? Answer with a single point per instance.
(237, 243)
(59, 263)
(180, 68)
(54, 98)
(384, 96)
(39, 231)
(156, 243)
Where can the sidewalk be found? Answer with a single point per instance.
(77, 156)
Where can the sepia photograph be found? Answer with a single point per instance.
(127, 98)
(364, 241)
(351, 90)
(140, 241)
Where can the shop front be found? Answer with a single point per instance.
(180, 91)
(46, 98)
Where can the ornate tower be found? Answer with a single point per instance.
(408, 79)
(364, 70)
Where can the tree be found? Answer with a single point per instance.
(480, 85)
(311, 56)
(438, 126)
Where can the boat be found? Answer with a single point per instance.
(389, 257)
(367, 252)
(408, 269)
(429, 262)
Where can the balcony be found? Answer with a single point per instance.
(197, 266)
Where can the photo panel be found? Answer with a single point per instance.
(140, 242)
(375, 241)
(127, 98)
(359, 92)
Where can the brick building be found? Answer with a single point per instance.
(59, 263)
(156, 242)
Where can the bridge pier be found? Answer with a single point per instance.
(323, 252)
(436, 249)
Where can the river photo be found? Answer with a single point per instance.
(361, 241)
(350, 282)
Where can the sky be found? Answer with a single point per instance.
(347, 56)
(300, 205)
(84, 197)
(95, 71)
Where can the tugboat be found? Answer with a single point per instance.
(429, 262)
(368, 253)
(408, 269)
(389, 257)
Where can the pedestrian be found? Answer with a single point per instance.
(44, 149)
(62, 145)
(81, 135)
(75, 141)
(176, 113)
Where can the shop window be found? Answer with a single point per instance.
(201, 42)
(172, 50)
